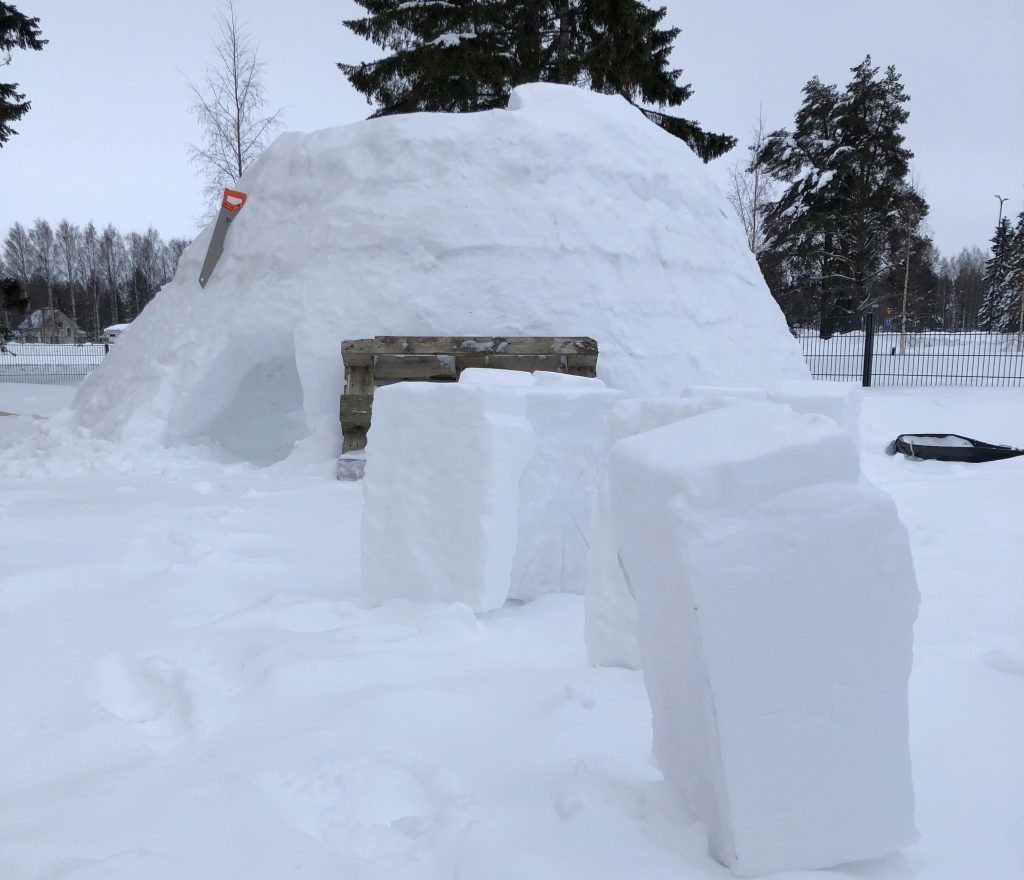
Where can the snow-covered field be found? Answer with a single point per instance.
(193, 688)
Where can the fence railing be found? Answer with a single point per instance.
(49, 363)
(885, 356)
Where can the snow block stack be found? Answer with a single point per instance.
(840, 401)
(441, 490)
(610, 628)
(558, 487)
(776, 599)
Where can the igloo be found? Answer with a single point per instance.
(569, 213)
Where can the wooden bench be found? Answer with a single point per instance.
(385, 359)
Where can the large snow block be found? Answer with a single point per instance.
(776, 599)
(558, 487)
(610, 624)
(441, 493)
(840, 401)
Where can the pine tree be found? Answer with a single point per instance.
(847, 208)
(998, 268)
(1012, 305)
(458, 55)
(17, 31)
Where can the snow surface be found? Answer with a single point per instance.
(840, 401)
(194, 687)
(567, 214)
(610, 629)
(442, 489)
(558, 487)
(932, 440)
(776, 652)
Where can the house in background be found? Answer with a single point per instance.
(50, 326)
(111, 333)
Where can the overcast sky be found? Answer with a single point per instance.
(107, 136)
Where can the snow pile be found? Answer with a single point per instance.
(567, 214)
(610, 630)
(558, 488)
(840, 401)
(776, 598)
(441, 493)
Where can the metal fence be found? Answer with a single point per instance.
(49, 363)
(882, 355)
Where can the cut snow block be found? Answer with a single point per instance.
(740, 392)
(776, 599)
(610, 627)
(558, 488)
(840, 401)
(441, 490)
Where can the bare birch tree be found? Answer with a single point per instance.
(90, 265)
(751, 189)
(69, 244)
(43, 245)
(230, 107)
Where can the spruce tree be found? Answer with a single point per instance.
(1012, 304)
(993, 314)
(17, 31)
(457, 55)
(847, 209)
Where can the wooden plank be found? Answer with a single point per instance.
(353, 440)
(354, 351)
(581, 360)
(356, 357)
(359, 380)
(552, 363)
(356, 410)
(414, 366)
(582, 370)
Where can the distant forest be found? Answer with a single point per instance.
(95, 277)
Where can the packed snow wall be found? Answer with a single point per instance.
(567, 214)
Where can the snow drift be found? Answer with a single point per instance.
(567, 214)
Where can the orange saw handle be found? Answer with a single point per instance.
(233, 200)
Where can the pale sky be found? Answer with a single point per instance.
(107, 136)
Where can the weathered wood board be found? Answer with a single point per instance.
(386, 359)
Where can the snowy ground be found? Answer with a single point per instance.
(192, 687)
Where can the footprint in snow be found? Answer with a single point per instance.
(150, 694)
(375, 807)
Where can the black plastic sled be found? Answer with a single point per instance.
(949, 447)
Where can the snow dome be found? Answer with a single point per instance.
(567, 214)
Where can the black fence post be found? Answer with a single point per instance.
(869, 347)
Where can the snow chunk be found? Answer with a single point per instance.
(441, 489)
(558, 488)
(776, 651)
(610, 630)
(720, 391)
(569, 212)
(840, 401)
